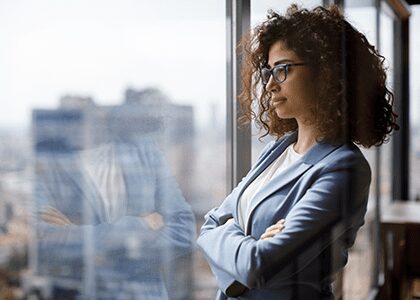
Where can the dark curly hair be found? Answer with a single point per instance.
(354, 104)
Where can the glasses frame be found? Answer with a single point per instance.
(282, 66)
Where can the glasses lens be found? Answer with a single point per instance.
(279, 73)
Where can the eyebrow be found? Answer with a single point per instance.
(281, 61)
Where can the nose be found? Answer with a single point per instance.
(272, 85)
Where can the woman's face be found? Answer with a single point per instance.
(294, 97)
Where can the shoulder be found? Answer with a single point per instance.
(349, 152)
(349, 157)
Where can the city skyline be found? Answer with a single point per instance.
(100, 48)
(55, 52)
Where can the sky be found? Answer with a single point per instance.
(98, 48)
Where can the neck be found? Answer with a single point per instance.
(307, 135)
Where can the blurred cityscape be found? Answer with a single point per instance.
(76, 185)
(87, 188)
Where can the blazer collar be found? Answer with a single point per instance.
(313, 156)
(269, 157)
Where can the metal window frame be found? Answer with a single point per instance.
(401, 138)
(378, 156)
(238, 16)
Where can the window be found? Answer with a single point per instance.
(362, 271)
(387, 38)
(116, 111)
(414, 175)
(357, 275)
(114, 141)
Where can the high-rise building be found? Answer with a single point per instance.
(110, 220)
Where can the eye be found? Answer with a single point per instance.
(279, 73)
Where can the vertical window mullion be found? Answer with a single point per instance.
(238, 138)
(400, 152)
(377, 215)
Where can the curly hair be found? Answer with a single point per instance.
(354, 103)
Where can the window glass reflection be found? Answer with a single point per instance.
(387, 49)
(357, 277)
(109, 217)
(116, 110)
(414, 183)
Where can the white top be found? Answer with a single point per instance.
(288, 157)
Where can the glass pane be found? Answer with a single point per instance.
(357, 276)
(414, 183)
(115, 112)
(387, 39)
(358, 273)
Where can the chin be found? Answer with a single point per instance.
(282, 114)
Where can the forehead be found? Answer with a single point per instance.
(279, 52)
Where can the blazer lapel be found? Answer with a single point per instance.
(314, 155)
(264, 162)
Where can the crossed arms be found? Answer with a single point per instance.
(242, 261)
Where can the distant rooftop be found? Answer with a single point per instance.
(72, 101)
(145, 96)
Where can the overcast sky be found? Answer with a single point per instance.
(99, 47)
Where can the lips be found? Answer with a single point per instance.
(278, 100)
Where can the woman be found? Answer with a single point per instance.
(286, 228)
(112, 215)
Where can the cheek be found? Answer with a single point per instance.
(299, 91)
(307, 89)
(308, 92)
(301, 85)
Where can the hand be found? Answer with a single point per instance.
(53, 216)
(230, 220)
(154, 220)
(273, 230)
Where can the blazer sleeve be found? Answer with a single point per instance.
(217, 217)
(253, 262)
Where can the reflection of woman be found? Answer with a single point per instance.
(128, 208)
(286, 228)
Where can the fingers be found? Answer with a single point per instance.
(277, 225)
(52, 219)
(230, 221)
(273, 229)
(154, 220)
(54, 216)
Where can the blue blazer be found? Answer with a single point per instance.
(323, 197)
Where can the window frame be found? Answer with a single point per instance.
(239, 138)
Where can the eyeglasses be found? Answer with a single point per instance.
(279, 72)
